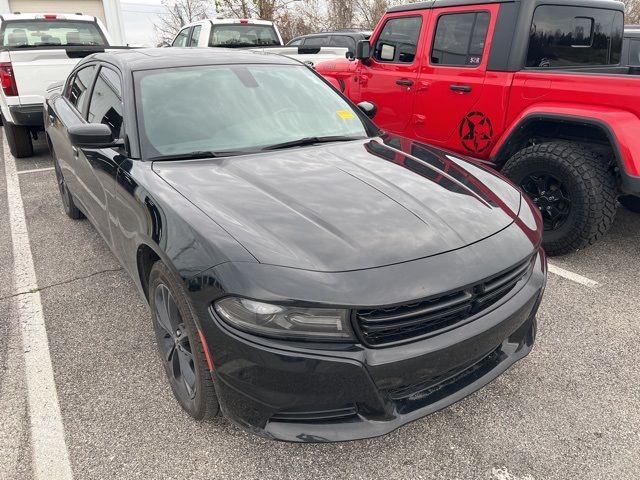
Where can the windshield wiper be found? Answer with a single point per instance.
(194, 155)
(301, 142)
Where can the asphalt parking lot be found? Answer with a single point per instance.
(570, 410)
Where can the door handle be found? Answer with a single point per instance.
(405, 82)
(460, 88)
(75, 152)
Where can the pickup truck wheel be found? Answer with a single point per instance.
(179, 345)
(19, 140)
(630, 202)
(68, 205)
(572, 187)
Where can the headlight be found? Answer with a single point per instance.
(282, 321)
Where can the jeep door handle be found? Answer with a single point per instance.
(460, 88)
(405, 82)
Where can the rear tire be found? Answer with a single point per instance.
(573, 188)
(630, 202)
(68, 204)
(179, 345)
(19, 140)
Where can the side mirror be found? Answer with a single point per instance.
(363, 50)
(91, 135)
(368, 108)
(350, 55)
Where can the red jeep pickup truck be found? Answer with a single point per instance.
(536, 88)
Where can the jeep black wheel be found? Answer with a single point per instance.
(630, 202)
(179, 345)
(573, 189)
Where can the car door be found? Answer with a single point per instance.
(96, 168)
(387, 79)
(452, 79)
(70, 110)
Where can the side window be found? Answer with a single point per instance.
(634, 53)
(460, 38)
(398, 40)
(343, 41)
(295, 43)
(78, 90)
(574, 36)
(195, 35)
(182, 38)
(106, 101)
(319, 41)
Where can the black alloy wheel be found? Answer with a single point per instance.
(179, 344)
(68, 204)
(175, 345)
(550, 196)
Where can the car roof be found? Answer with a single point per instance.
(632, 31)
(613, 4)
(158, 58)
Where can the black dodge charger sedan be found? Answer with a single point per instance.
(309, 276)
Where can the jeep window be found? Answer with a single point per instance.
(398, 40)
(50, 33)
(243, 35)
(238, 108)
(195, 35)
(106, 101)
(182, 38)
(574, 36)
(460, 38)
(79, 88)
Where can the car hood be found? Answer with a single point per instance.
(347, 206)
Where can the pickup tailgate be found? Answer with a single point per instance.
(36, 69)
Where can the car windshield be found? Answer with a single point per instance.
(243, 35)
(44, 33)
(239, 108)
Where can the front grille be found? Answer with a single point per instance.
(428, 317)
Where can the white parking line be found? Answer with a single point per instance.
(574, 277)
(35, 170)
(49, 450)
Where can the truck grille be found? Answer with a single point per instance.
(429, 317)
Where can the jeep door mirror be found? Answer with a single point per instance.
(91, 135)
(368, 108)
(363, 50)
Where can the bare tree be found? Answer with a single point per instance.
(632, 14)
(341, 13)
(371, 11)
(178, 14)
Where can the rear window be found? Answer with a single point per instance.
(243, 35)
(48, 33)
(574, 36)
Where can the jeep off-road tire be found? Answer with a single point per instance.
(580, 178)
(630, 202)
(19, 140)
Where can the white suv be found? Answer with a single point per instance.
(229, 33)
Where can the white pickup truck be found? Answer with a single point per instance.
(37, 50)
(259, 36)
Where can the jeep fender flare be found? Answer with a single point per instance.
(619, 126)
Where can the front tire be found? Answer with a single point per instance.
(19, 140)
(573, 188)
(179, 345)
(630, 202)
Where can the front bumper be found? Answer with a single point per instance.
(296, 393)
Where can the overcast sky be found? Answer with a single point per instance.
(139, 17)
